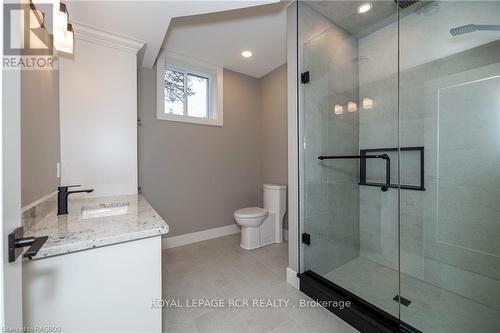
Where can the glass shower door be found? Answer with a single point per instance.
(349, 122)
(415, 84)
(450, 104)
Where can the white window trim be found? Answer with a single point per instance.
(215, 74)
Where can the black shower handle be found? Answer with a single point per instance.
(382, 156)
(387, 172)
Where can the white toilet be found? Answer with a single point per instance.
(263, 226)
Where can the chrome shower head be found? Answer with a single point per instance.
(465, 29)
(405, 3)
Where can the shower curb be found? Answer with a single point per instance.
(361, 315)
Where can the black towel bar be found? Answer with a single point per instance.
(381, 156)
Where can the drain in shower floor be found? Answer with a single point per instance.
(404, 301)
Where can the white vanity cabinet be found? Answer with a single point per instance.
(99, 280)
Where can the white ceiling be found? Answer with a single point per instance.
(219, 38)
(146, 21)
(345, 14)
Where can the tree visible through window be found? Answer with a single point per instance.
(186, 93)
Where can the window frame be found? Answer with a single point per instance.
(186, 72)
(181, 63)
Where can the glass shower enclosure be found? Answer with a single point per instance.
(399, 161)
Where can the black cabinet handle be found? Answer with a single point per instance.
(17, 242)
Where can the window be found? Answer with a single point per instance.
(189, 91)
(186, 93)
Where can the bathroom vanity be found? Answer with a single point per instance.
(100, 268)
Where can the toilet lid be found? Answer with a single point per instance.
(250, 212)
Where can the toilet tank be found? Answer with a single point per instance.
(275, 199)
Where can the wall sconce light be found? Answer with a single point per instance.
(367, 103)
(60, 16)
(338, 109)
(352, 107)
(63, 31)
(66, 44)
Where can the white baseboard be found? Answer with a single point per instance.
(194, 237)
(291, 278)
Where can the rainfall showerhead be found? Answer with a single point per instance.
(405, 3)
(465, 29)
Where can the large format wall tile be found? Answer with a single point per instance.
(454, 221)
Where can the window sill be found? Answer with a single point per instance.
(192, 120)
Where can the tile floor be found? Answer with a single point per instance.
(433, 310)
(220, 269)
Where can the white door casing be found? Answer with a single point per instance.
(10, 195)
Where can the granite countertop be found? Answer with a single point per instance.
(72, 232)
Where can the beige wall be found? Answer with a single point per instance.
(40, 149)
(273, 93)
(99, 119)
(196, 176)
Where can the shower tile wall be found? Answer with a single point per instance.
(378, 128)
(448, 231)
(331, 190)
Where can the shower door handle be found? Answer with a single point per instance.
(387, 172)
(385, 157)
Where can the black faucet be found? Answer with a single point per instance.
(62, 198)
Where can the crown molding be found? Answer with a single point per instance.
(106, 38)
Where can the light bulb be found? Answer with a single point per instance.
(352, 107)
(365, 7)
(246, 54)
(367, 103)
(338, 109)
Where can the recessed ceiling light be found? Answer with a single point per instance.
(246, 54)
(365, 7)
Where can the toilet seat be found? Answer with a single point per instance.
(251, 213)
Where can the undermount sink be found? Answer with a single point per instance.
(104, 210)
